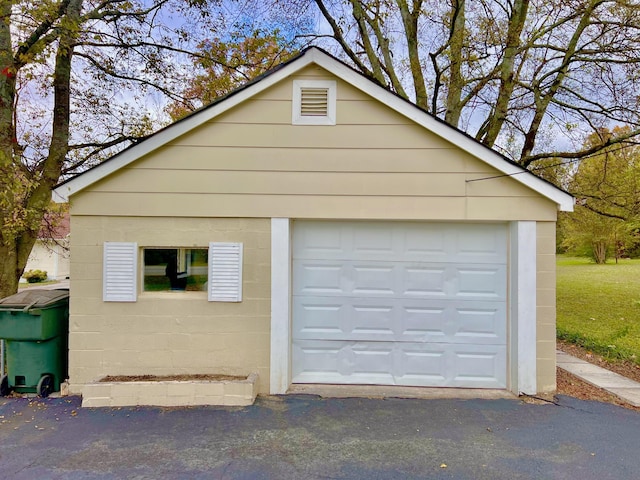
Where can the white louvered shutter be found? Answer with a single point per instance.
(119, 281)
(225, 272)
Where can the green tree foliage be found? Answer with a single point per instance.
(71, 75)
(223, 66)
(607, 189)
(586, 233)
(609, 183)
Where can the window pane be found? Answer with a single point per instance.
(175, 269)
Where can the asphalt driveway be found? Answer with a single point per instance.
(306, 437)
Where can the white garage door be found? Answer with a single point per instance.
(399, 303)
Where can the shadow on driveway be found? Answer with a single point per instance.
(307, 437)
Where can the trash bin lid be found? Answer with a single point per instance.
(35, 298)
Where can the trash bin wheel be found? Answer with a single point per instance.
(45, 385)
(4, 386)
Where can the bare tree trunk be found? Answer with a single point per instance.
(361, 19)
(18, 238)
(387, 65)
(495, 122)
(456, 46)
(9, 262)
(543, 100)
(410, 22)
(600, 248)
(338, 35)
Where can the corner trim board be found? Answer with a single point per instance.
(523, 307)
(280, 370)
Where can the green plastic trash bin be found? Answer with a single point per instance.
(35, 324)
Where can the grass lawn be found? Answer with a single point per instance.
(599, 306)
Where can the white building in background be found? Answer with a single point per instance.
(51, 251)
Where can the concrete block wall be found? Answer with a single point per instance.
(168, 333)
(546, 306)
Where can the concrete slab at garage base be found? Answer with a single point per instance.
(386, 391)
(171, 393)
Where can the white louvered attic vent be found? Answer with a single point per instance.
(314, 102)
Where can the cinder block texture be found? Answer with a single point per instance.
(169, 333)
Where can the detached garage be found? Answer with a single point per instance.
(314, 228)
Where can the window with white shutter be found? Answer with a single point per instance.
(314, 102)
(120, 272)
(225, 272)
(173, 269)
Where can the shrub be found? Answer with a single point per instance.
(35, 276)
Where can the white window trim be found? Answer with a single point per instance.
(298, 118)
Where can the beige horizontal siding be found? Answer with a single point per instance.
(290, 183)
(419, 184)
(252, 162)
(408, 160)
(313, 136)
(350, 112)
(315, 206)
(510, 208)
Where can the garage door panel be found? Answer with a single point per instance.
(403, 241)
(335, 362)
(370, 363)
(373, 241)
(475, 243)
(487, 282)
(399, 320)
(409, 280)
(400, 303)
(479, 366)
(320, 278)
(480, 323)
(422, 366)
(375, 322)
(366, 320)
(422, 322)
(372, 280)
(323, 318)
(425, 281)
(320, 240)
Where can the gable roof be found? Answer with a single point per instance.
(314, 55)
